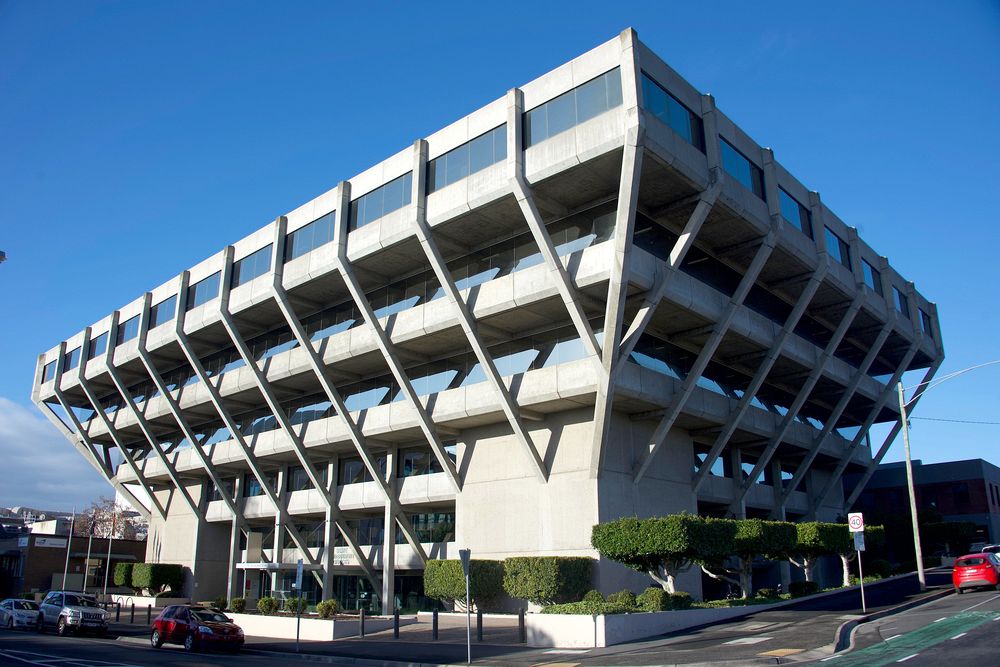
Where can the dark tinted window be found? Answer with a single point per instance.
(925, 323)
(305, 239)
(168, 612)
(902, 305)
(872, 276)
(381, 201)
(25, 604)
(71, 359)
(742, 168)
(127, 330)
(470, 157)
(971, 562)
(98, 346)
(203, 291)
(795, 213)
(163, 312)
(668, 109)
(837, 248)
(49, 371)
(252, 266)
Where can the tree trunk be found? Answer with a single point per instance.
(664, 578)
(845, 561)
(746, 577)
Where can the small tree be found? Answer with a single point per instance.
(662, 547)
(444, 580)
(547, 579)
(844, 546)
(123, 575)
(752, 538)
(814, 539)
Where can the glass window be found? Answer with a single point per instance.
(574, 107)
(71, 359)
(837, 248)
(668, 109)
(162, 312)
(872, 276)
(795, 213)
(742, 168)
(203, 291)
(902, 305)
(252, 266)
(298, 480)
(98, 346)
(472, 156)
(430, 527)
(49, 371)
(925, 323)
(127, 330)
(381, 201)
(253, 487)
(306, 239)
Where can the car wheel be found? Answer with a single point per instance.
(958, 590)
(61, 628)
(10, 623)
(155, 640)
(189, 644)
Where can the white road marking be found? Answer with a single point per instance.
(908, 657)
(49, 660)
(961, 634)
(745, 641)
(830, 658)
(889, 639)
(995, 597)
(567, 651)
(940, 619)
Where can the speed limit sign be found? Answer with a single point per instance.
(856, 522)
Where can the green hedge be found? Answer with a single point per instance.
(657, 599)
(294, 605)
(444, 580)
(123, 574)
(238, 605)
(800, 588)
(547, 579)
(154, 577)
(588, 607)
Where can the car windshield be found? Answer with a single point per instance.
(208, 615)
(25, 604)
(77, 601)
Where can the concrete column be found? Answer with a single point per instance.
(738, 509)
(330, 529)
(233, 588)
(389, 537)
(281, 522)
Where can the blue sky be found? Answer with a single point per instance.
(119, 120)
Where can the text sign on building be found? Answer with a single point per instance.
(54, 542)
(856, 522)
(859, 541)
(298, 576)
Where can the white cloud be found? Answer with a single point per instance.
(39, 467)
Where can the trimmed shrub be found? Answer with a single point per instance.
(123, 574)
(588, 608)
(547, 579)
(27, 596)
(769, 593)
(801, 588)
(154, 577)
(220, 603)
(880, 567)
(295, 605)
(267, 605)
(238, 605)
(327, 608)
(444, 580)
(593, 596)
(626, 598)
(680, 600)
(654, 599)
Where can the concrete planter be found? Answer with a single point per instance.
(582, 631)
(144, 601)
(312, 629)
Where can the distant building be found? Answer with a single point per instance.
(958, 490)
(34, 563)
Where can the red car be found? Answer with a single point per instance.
(974, 570)
(195, 628)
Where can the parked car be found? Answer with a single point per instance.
(991, 549)
(70, 611)
(195, 628)
(18, 614)
(976, 570)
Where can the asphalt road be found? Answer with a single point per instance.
(956, 630)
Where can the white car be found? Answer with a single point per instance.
(18, 614)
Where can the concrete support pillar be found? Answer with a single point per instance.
(281, 522)
(389, 537)
(329, 529)
(739, 509)
(233, 588)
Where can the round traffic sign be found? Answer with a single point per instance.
(856, 522)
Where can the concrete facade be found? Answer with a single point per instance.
(594, 297)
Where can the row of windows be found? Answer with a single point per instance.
(469, 158)
(795, 213)
(669, 110)
(742, 168)
(430, 527)
(838, 248)
(381, 201)
(584, 102)
(251, 266)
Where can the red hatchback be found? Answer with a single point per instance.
(975, 570)
(195, 628)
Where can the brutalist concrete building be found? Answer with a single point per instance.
(594, 297)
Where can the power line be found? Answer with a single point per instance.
(957, 421)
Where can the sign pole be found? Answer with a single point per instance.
(861, 577)
(856, 524)
(90, 539)
(107, 567)
(465, 555)
(298, 606)
(69, 542)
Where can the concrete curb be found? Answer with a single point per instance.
(845, 633)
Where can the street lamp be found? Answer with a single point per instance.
(909, 464)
